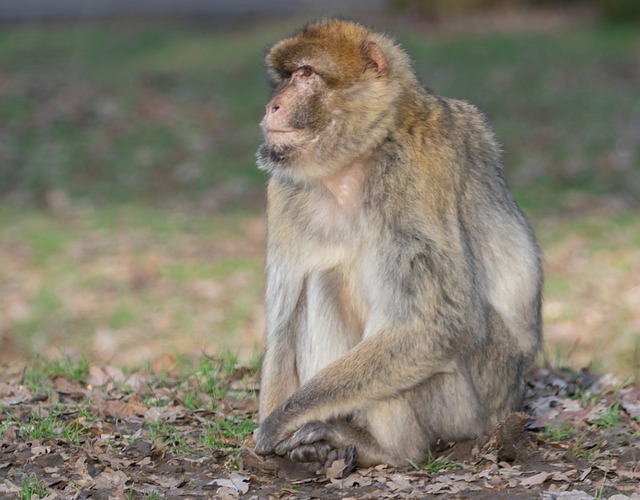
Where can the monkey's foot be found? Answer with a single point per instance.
(313, 452)
(303, 442)
(342, 462)
(338, 463)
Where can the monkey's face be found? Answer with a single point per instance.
(296, 113)
(332, 101)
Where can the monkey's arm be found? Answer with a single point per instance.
(285, 302)
(284, 299)
(420, 326)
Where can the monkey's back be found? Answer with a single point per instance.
(444, 161)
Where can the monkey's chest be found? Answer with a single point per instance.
(333, 318)
(330, 223)
(330, 211)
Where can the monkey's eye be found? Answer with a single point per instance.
(306, 71)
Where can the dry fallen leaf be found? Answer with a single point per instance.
(166, 481)
(227, 493)
(127, 411)
(628, 474)
(535, 480)
(166, 413)
(11, 394)
(36, 451)
(114, 373)
(135, 381)
(631, 403)
(97, 376)
(109, 479)
(336, 469)
(584, 474)
(235, 481)
(353, 480)
(567, 495)
(398, 482)
(9, 488)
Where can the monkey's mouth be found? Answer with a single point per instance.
(284, 137)
(279, 130)
(280, 135)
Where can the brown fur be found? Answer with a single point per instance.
(403, 283)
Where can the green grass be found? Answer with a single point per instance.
(144, 110)
(124, 279)
(434, 464)
(153, 495)
(53, 424)
(218, 433)
(171, 437)
(74, 421)
(577, 440)
(608, 418)
(207, 375)
(220, 268)
(196, 384)
(6, 424)
(557, 134)
(42, 369)
(66, 367)
(130, 120)
(33, 488)
(558, 432)
(147, 109)
(591, 274)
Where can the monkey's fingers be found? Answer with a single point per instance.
(264, 446)
(315, 452)
(350, 456)
(307, 434)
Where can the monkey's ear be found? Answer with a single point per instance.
(375, 58)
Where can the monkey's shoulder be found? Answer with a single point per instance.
(454, 123)
(442, 139)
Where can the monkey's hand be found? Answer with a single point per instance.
(295, 447)
(322, 443)
(283, 431)
(271, 432)
(312, 433)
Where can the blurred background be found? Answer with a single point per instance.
(132, 215)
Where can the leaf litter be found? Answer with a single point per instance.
(117, 435)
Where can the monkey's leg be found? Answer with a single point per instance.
(326, 442)
(321, 453)
(388, 431)
(499, 367)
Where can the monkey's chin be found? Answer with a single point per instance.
(275, 156)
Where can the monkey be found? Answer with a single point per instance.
(403, 283)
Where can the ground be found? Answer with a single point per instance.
(88, 431)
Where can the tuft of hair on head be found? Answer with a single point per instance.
(341, 51)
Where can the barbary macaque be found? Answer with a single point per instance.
(403, 288)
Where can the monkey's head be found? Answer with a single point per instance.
(335, 86)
